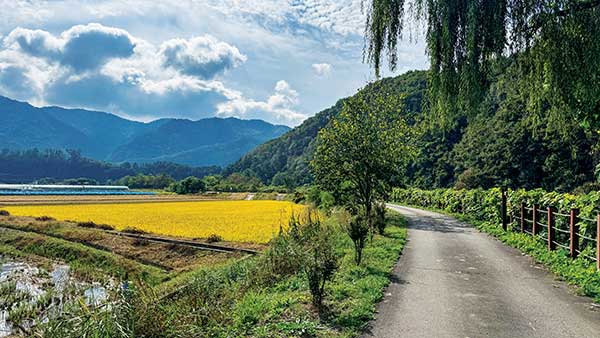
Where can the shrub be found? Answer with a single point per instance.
(214, 238)
(135, 231)
(284, 255)
(4, 213)
(306, 246)
(327, 200)
(45, 218)
(95, 225)
(379, 217)
(320, 262)
(358, 230)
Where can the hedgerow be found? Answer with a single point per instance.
(484, 205)
(482, 208)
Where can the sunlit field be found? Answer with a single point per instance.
(241, 221)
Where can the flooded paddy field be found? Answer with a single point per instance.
(30, 294)
(49, 266)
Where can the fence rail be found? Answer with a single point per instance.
(541, 224)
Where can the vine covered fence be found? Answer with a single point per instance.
(562, 221)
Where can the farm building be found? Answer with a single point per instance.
(34, 189)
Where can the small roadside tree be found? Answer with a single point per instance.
(362, 150)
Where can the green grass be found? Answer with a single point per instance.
(283, 310)
(230, 301)
(87, 262)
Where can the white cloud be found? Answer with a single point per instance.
(281, 39)
(321, 69)
(82, 47)
(203, 56)
(280, 107)
(100, 67)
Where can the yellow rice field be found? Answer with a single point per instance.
(240, 221)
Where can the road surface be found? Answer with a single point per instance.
(453, 281)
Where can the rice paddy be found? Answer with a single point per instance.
(236, 221)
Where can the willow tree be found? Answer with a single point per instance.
(555, 44)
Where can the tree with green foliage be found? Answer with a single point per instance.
(363, 150)
(190, 185)
(141, 181)
(556, 44)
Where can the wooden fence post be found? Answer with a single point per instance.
(503, 211)
(534, 228)
(551, 231)
(522, 217)
(598, 242)
(574, 233)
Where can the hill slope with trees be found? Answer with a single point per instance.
(501, 145)
(285, 160)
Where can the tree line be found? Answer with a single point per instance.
(55, 165)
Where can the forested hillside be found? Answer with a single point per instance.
(285, 160)
(502, 144)
(56, 165)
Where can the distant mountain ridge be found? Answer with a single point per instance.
(107, 137)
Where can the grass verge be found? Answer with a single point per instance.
(231, 301)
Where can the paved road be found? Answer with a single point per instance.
(453, 281)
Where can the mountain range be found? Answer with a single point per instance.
(107, 137)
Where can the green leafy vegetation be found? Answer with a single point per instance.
(482, 209)
(89, 263)
(502, 144)
(59, 166)
(360, 154)
(554, 42)
(286, 159)
(265, 296)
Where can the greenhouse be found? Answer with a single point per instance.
(34, 189)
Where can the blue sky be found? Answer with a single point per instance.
(277, 60)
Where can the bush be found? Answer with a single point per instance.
(4, 213)
(320, 260)
(95, 226)
(45, 219)
(306, 246)
(134, 231)
(379, 221)
(326, 200)
(214, 238)
(358, 230)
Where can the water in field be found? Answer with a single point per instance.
(5, 327)
(35, 283)
(96, 295)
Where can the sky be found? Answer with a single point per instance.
(281, 61)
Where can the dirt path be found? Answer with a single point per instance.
(453, 281)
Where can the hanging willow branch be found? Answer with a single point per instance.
(465, 37)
